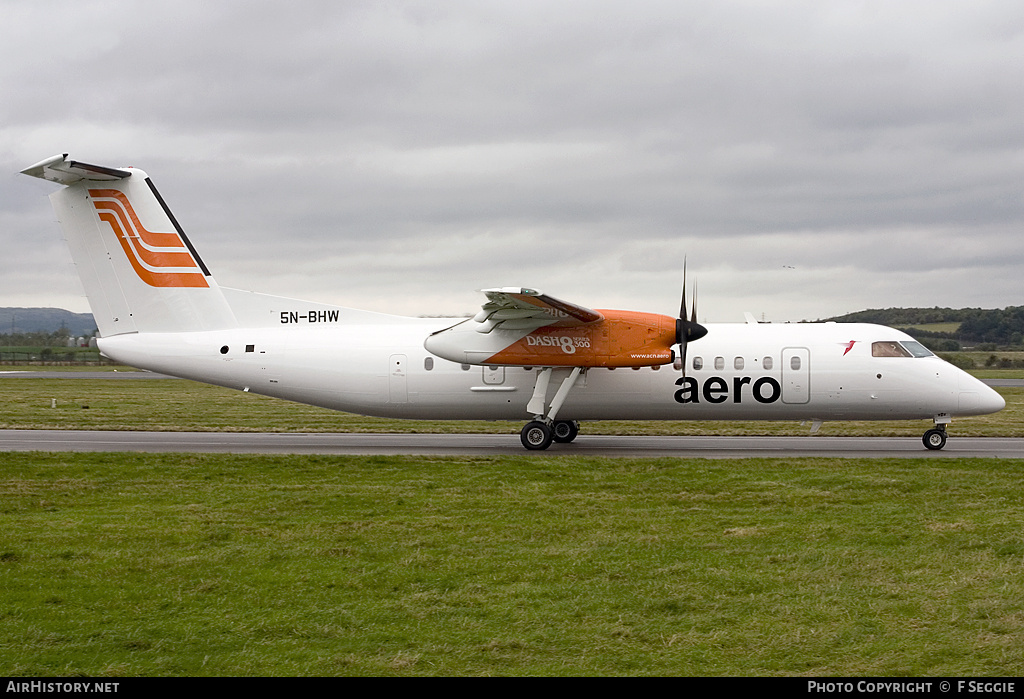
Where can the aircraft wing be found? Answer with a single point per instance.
(514, 308)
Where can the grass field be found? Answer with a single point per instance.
(175, 564)
(243, 565)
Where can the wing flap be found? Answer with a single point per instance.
(516, 308)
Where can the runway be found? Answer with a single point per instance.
(490, 445)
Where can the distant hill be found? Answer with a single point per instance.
(970, 326)
(45, 320)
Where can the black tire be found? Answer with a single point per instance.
(934, 439)
(536, 436)
(565, 430)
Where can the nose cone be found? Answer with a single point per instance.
(991, 402)
(978, 399)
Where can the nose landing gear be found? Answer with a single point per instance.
(935, 438)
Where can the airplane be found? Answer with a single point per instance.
(158, 307)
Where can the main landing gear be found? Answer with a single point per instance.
(544, 428)
(539, 435)
(565, 430)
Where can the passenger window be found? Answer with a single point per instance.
(428, 363)
(767, 363)
(698, 363)
(737, 363)
(719, 363)
(888, 349)
(794, 363)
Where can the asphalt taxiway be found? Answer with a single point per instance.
(481, 445)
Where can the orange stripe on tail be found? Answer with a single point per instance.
(142, 246)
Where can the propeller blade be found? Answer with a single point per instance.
(682, 353)
(690, 330)
(682, 303)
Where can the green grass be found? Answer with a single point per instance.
(59, 367)
(999, 373)
(133, 564)
(174, 564)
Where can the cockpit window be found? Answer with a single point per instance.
(917, 349)
(908, 348)
(888, 349)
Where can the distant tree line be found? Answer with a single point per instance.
(57, 338)
(1005, 327)
(977, 326)
(46, 347)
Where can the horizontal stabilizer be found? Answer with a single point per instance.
(63, 171)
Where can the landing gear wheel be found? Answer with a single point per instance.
(934, 439)
(536, 435)
(565, 430)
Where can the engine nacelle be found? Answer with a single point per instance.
(620, 339)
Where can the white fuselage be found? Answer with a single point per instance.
(822, 371)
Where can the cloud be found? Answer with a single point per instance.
(401, 155)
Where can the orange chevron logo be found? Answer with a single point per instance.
(160, 259)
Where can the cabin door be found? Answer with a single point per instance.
(398, 389)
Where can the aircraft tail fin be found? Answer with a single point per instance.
(139, 269)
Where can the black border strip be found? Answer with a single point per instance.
(177, 227)
(98, 169)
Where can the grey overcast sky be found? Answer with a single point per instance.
(808, 158)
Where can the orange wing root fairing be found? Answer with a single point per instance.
(620, 339)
